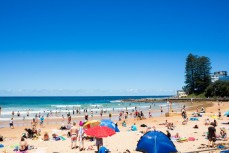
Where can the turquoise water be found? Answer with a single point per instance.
(63, 105)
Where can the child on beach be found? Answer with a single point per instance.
(42, 121)
(46, 136)
(11, 123)
(134, 127)
(223, 134)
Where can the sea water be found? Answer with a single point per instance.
(64, 105)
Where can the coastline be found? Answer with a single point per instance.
(178, 100)
(125, 139)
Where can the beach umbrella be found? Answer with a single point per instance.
(155, 142)
(90, 124)
(110, 124)
(100, 131)
(226, 113)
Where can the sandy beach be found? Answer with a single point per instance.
(125, 139)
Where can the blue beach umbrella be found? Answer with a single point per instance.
(155, 142)
(110, 124)
(226, 113)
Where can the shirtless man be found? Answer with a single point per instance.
(74, 135)
(23, 145)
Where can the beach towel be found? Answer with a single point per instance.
(57, 138)
(14, 146)
(224, 151)
(191, 139)
(181, 139)
(62, 138)
(1, 145)
(194, 119)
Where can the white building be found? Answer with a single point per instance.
(217, 75)
(181, 94)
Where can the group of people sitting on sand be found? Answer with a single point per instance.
(169, 125)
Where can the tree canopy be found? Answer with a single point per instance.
(218, 89)
(197, 74)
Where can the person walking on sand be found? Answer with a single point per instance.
(11, 123)
(69, 119)
(62, 118)
(42, 121)
(74, 135)
(34, 123)
(211, 135)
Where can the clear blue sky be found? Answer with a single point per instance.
(107, 47)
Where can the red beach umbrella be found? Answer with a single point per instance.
(100, 131)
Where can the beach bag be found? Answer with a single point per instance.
(143, 125)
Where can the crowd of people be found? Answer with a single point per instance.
(77, 133)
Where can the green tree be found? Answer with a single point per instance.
(190, 70)
(203, 78)
(197, 74)
(218, 89)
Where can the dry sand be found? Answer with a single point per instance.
(124, 140)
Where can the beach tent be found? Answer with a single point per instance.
(155, 142)
(110, 124)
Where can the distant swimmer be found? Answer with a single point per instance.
(18, 114)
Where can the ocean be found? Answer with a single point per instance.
(63, 105)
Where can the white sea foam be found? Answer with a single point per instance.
(65, 106)
(115, 101)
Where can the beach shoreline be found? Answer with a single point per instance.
(125, 139)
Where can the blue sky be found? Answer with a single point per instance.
(102, 47)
